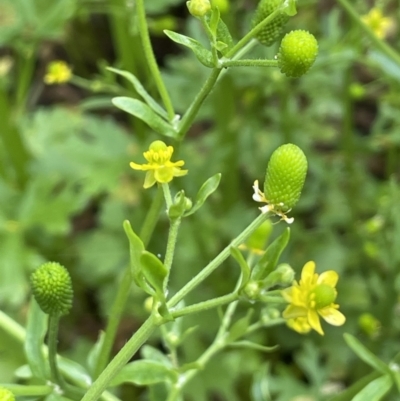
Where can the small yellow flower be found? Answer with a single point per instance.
(160, 168)
(311, 297)
(379, 24)
(58, 72)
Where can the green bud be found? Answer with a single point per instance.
(6, 394)
(297, 53)
(198, 8)
(285, 177)
(283, 275)
(269, 33)
(251, 290)
(52, 288)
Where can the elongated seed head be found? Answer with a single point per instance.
(269, 33)
(286, 173)
(52, 288)
(297, 53)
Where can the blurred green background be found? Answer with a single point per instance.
(66, 185)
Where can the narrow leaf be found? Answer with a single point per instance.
(94, 353)
(237, 255)
(144, 113)
(202, 54)
(204, 192)
(136, 247)
(376, 390)
(240, 327)
(144, 373)
(366, 355)
(271, 256)
(154, 271)
(35, 334)
(254, 346)
(141, 91)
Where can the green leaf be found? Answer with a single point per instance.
(269, 260)
(141, 91)
(366, 355)
(224, 36)
(136, 247)
(140, 110)
(254, 346)
(154, 271)
(375, 390)
(94, 353)
(74, 371)
(244, 267)
(150, 353)
(204, 192)
(177, 209)
(214, 20)
(240, 327)
(144, 373)
(202, 54)
(35, 334)
(290, 9)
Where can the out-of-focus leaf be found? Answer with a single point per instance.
(376, 390)
(239, 328)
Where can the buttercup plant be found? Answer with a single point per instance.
(262, 279)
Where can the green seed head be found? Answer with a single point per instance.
(297, 53)
(285, 177)
(6, 395)
(269, 33)
(198, 8)
(52, 288)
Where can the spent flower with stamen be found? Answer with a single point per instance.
(159, 168)
(311, 298)
(58, 72)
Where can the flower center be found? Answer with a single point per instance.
(323, 295)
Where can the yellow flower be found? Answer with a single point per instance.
(160, 168)
(379, 24)
(58, 72)
(311, 297)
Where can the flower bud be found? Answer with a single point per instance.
(198, 8)
(285, 177)
(269, 33)
(297, 53)
(6, 394)
(283, 275)
(52, 288)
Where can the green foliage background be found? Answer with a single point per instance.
(66, 185)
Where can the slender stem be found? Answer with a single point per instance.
(52, 344)
(11, 327)
(193, 109)
(121, 359)
(217, 261)
(151, 60)
(202, 306)
(20, 390)
(249, 63)
(169, 253)
(167, 195)
(152, 217)
(113, 322)
(379, 43)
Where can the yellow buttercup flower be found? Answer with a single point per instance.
(379, 24)
(58, 72)
(313, 296)
(160, 167)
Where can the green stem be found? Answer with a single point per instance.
(151, 60)
(20, 390)
(52, 344)
(379, 43)
(11, 327)
(217, 261)
(250, 63)
(203, 306)
(193, 109)
(25, 73)
(113, 322)
(169, 253)
(121, 359)
(152, 217)
(167, 195)
(123, 289)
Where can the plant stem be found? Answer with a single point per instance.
(217, 261)
(151, 60)
(121, 359)
(152, 217)
(167, 195)
(52, 344)
(202, 306)
(21, 390)
(11, 327)
(250, 63)
(169, 253)
(379, 43)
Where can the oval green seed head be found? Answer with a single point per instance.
(269, 33)
(284, 180)
(52, 288)
(297, 53)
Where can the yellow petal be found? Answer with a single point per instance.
(329, 278)
(299, 324)
(307, 273)
(287, 294)
(332, 316)
(149, 180)
(292, 312)
(136, 166)
(313, 320)
(179, 173)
